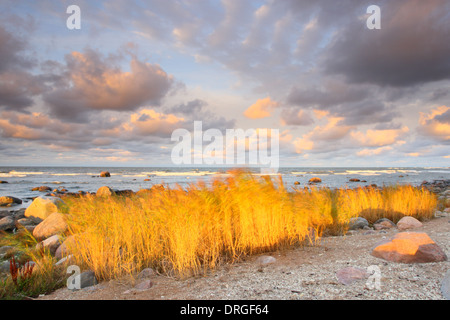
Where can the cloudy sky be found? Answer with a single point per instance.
(112, 92)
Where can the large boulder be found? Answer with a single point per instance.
(54, 224)
(42, 207)
(407, 222)
(105, 192)
(8, 201)
(409, 247)
(315, 180)
(7, 223)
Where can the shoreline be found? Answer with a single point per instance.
(439, 233)
(303, 273)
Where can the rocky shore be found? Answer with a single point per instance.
(409, 247)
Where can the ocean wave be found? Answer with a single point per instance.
(182, 173)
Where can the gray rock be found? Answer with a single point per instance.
(408, 222)
(87, 279)
(445, 285)
(4, 267)
(7, 224)
(358, 223)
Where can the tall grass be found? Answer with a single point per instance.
(185, 232)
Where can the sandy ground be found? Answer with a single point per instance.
(299, 273)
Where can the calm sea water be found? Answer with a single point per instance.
(22, 179)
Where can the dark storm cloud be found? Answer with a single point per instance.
(93, 82)
(411, 47)
(11, 51)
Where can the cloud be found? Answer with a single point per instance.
(94, 83)
(296, 118)
(12, 51)
(379, 138)
(372, 152)
(261, 108)
(408, 49)
(150, 122)
(436, 124)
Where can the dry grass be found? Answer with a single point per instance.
(185, 232)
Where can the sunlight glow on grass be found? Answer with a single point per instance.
(185, 232)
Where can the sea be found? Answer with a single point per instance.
(22, 179)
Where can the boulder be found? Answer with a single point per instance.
(351, 274)
(42, 189)
(315, 180)
(7, 224)
(358, 223)
(296, 183)
(87, 279)
(408, 223)
(354, 180)
(8, 201)
(3, 181)
(105, 174)
(409, 247)
(105, 191)
(383, 223)
(42, 207)
(54, 224)
(64, 249)
(52, 243)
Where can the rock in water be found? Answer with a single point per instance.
(54, 224)
(315, 180)
(410, 247)
(7, 201)
(358, 223)
(351, 274)
(42, 207)
(408, 223)
(105, 174)
(445, 285)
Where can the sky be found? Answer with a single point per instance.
(112, 92)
